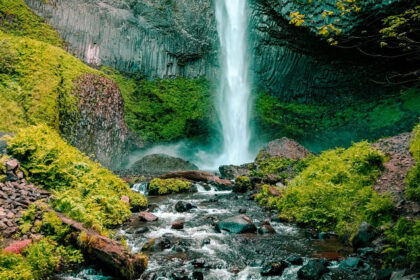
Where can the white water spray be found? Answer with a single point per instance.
(234, 97)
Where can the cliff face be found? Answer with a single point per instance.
(179, 38)
(158, 38)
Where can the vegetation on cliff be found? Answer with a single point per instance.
(413, 177)
(334, 191)
(371, 118)
(82, 189)
(164, 110)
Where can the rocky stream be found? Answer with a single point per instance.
(217, 234)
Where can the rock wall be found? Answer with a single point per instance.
(158, 38)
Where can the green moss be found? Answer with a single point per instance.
(168, 186)
(333, 191)
(403, 243)
(357, 119)
(413, 176)
(166, 110)
(82, 189)
(17, 19)
(39, 86)
(273, 165)
(242, 184)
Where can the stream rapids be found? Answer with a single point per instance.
(198, 251)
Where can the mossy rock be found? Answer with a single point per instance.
(168, 186)
(413, 176)
(242, 184)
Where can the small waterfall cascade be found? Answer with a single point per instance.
(233, 104)
(140, 188)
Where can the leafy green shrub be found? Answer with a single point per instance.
(403, 239)
(413, 176)
(265, 199)
(13, 266)
(334, 191)
(82, 189)
(166, 110)
(168, 186)
(273, 165)
(38, 261)
(242, 184)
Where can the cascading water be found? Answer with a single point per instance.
(233, 104)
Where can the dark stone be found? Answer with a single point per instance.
(159, 164)
(242, 211)
(198, 275)
(384, 274)
(232, 171)
(266, 228)
(364, 236)
(182, 206)
(350, 263)
(295, 260)
(206, 241)
(177, 225)
(198, 263)
(313, 270)
(237, 224)
(274, 268)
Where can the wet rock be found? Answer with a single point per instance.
(237, 224)
(153, 208)
(18, 246)
(242, 211)
(147, 217)
(266, 228)
(274, 268)
(313, 270)
(364, 236)
(206, 241)
(350, 263)
(198, 275)
(180, 275)
(198, 263)
(232, 171)
(177, 225)
(157, 245)
(326, 235)
(285, 148)
(159, 164)
(182, 206)
(384, 274)
(295, 260)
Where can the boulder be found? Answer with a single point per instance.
(125, 199)
(350, 263)
(182, 206)
(295, 260)
(232, 171)
(266, 228)
(364, 236)
(159, 164)
(12, 164)
(147, 217)
(237, 224)
(274, 268)
(198, 176)
(285, 148)
(313, 270)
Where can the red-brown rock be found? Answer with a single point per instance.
(18, 246)
(147, 217)
(177, 225)
(284, 148)
(125, 198)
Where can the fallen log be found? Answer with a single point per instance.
(197, 176)
(109, 254)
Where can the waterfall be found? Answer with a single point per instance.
(233, 104)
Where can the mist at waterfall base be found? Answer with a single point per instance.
(233, 102)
